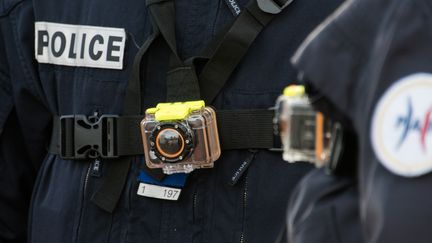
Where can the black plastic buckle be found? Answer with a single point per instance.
(273, 6)
(85, 137)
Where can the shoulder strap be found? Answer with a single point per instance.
(132, 101)
(107, 196)
(235, 44)
(182, 81)
(162, 13)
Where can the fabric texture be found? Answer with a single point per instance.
(353, 60)
(209, 209)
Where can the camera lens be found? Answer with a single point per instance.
(170, 143)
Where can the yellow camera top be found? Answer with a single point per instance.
(294, 91)
(176, 110)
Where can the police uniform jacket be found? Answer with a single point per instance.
(86, 71)
(324, 208)
(376, 75)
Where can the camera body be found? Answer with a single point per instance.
(180, 137)
(305, 134)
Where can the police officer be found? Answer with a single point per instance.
(377, 74)
(64, 60)
(324, 206)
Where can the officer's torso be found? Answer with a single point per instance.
(381, 86)
(209, 209)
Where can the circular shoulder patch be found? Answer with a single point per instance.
(401, 130)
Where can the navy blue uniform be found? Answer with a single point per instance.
(324, 208)
(72, 79)
(377, 73)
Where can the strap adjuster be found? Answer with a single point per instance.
(273, 6)
(85, 137)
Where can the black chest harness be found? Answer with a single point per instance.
(114, 137)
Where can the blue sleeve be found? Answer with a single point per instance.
(6, 102)
(21, 151)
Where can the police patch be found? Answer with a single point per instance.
(401, 131)
(79, 45)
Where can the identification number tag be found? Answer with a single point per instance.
(160, 192)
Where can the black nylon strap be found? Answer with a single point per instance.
(55, 141)
(182, 81)
(163, 19)
(238, 129)
(214, 75)
(246, 129)
(108, 195)
(232, 49)
(132, 103)
(182, 84)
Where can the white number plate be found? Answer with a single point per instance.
(160, 192)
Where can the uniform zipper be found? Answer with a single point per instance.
(245, 196)
(86, 179)
(92, 118)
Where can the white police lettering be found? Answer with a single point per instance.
(79, 45)
(235, 6)
(159, 192)
(401, 131)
